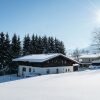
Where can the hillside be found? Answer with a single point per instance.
(69, 86)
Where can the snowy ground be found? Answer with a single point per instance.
(84, 85)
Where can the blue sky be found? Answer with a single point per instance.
(71, 21)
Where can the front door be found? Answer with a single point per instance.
(75, 68)
(24, 72)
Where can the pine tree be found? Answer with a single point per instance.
(15, 46)
(36, 44)
(45, 44)
(2, 50)
(50, 45)
(15, 52)
(62, 48)
(5, 53)
(32, 45)
(56, 47)
(39, 45)
(26, 45)
(8, 57)
(19, 48)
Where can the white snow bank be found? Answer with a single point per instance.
(69, 86)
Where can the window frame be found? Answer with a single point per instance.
(24, 69)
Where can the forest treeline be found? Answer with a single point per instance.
(14, 47)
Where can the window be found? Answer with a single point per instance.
(48, 71)
(62, 61)
(55, 61)
(24, 69)
(66, 70)
(65, 61)
(29, 69)
(57, 71)
(33, 70)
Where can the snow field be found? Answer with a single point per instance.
(83, 85)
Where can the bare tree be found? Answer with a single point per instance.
(84, 51)
(76, 54)
(96, 38)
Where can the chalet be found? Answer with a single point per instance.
(86, 60)
(45, 64)
(95, 64)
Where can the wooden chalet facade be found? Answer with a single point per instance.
(42, 63)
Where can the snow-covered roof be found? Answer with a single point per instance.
(90, 56)
(40, 57)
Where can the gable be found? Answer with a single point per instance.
(59, 61)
